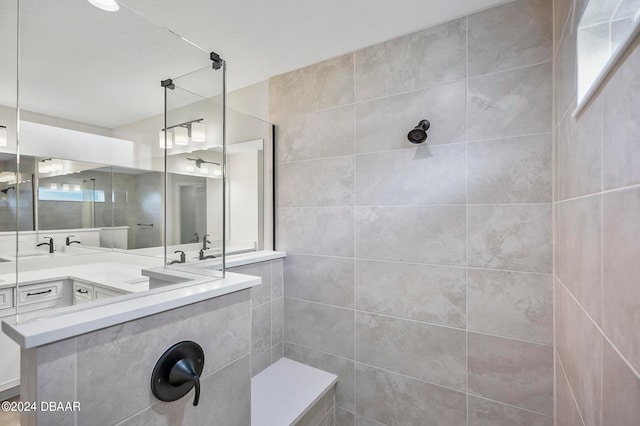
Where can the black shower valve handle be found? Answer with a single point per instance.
(178, 371)
(184, 372)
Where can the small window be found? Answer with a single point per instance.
(49, 194)
(606, 29)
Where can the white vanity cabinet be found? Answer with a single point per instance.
(84, 292)
(9, 367)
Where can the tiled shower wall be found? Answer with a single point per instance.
(422, 275)
(597, 244)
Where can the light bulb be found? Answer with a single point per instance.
(181, 136)
(198, 132)
(53, 186)
(204, 169)
(169, 141)
(3, 136)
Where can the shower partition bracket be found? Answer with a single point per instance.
(216, 60)
(168, 83)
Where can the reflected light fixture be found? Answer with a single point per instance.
(3, 136)
(202, 165)
(108, 5)
(169, 141)
(181, 136)
(198, 131)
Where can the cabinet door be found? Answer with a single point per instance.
(10, 365)
(104, 293)
(83, 290)
(41, 292)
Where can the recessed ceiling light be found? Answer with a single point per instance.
(108, 5)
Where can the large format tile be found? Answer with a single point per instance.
(489, 413)
(277, 278)
(510, 103)
(261, 328)
(399, 400)
(566, 412)
(344, 418)
(511, 371)
(578, 251)
(420, 176)
(262, 293)
(321, 134)
(424, 59)
(341, 367)
(415, 234)
(327, 230)
(620, 391)
(424, 351)
(513, 170)
(579, 345)
(510, 36)
(277, 321)
(434, 294)
(225, 400)
(226, 337)
(514, 237)
(319, 279)
(511, 304)
(321, 327)
(621, 127)
(316, 183)
(383, 124)
(319, 86)
(565, 81)
(621, 252)
(56, 380)
(579, 147)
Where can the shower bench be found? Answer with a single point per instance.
(290, 393)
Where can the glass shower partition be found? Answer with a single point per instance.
(193, 140)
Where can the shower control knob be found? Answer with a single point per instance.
(178, 371)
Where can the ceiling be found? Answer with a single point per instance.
(87, 65)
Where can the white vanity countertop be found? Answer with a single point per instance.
(80, 319)
(119, 276)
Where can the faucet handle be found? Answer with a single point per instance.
(183, 256)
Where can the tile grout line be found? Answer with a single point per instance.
(566, 379)
(355, 176)
(602, 315)
(466, 210)
(630, 186)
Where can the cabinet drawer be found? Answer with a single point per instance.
(34, 293)
(82, 291)
(6, 298)
(79, 300)
(104, 293)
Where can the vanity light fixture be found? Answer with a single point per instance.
(181, 133)
(53, 186)
(49, 165)
(202, 165)
(65, 186)
(181, 136)
(7, 177)
(76, 188)
(3, 136)
(169, 141)
(108, 5)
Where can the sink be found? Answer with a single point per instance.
(33, 253)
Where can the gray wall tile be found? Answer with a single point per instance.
(383, 124)
(341, 367)
(320, 279)
(100, 392)
(394, 399)
(434, 294)
(316, 230)
(56, 380)
(277, 321)
(511, 371)
(316, 183)
(511, 304)
(320, 86)
(578, 251)
(489, 413)
(510, 103)
(620, 391)
(321, 134)
(510, 36)
(514, 170)
(579, 146)
(414, 234)
(514, 237)
(260, 361)
(261, 328)
(420, 176)
(321, 327)
(424, 351)
(621, 252)
(262, 293)
(579, 345)
(344, 418)
(621, 127)
(565, 80)
(277, 279)
(424, 59)
(566, 412)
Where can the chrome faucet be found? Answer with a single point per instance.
(205, 241)
(203, 257)
(69, 242)
(49, 243)
(183, 258)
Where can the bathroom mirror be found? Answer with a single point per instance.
(606, 29)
